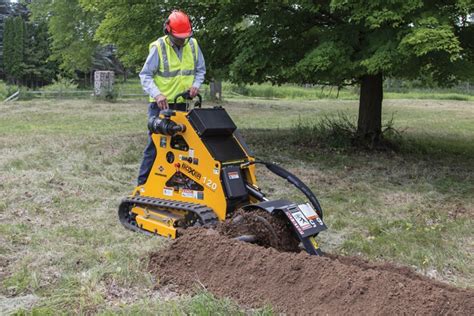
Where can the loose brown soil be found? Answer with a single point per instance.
(270, 231)
(297, 283)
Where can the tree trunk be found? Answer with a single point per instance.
(369, 125)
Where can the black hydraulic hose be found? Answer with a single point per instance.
(255, 193)
(285, 174)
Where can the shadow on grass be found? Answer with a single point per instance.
(422, 163)
(304, 145)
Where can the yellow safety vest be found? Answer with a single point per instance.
(175, 76)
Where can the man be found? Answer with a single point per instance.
(174, 64)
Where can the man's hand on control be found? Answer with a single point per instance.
(193, 91)
(161, 102)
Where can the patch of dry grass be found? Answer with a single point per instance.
(65, 165)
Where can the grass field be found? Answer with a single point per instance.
(297, 92)
(65, 165)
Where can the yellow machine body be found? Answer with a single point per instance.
(195, 163)
(202, 173)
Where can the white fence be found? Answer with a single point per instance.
(68, 94)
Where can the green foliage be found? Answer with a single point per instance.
(134, 26)
(286, 91)
(72, 33)
(38, 69)
(6, 90)
(131, 26)
(423, 40)
(339, 41)
(14, 47)
(61, 84)
(340, 131)
(8, 44)
(26, 52)
(336, 42)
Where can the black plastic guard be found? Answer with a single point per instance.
(303, 218)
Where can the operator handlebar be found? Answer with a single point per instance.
(185, 95)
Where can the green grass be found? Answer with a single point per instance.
(296, 92)
(427, 95)
(65, 165)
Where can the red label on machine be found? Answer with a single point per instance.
(187, 193)
(233, 175)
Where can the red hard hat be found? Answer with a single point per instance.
(178, 25)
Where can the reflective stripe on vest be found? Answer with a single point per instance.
(173, 75)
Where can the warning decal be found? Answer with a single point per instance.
(292, 219)
(308, 211)
(233, 175)
(168, 191)
(187, 193)
(301, 220)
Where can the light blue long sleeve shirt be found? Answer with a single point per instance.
(153, 62)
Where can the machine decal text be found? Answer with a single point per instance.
(191, 171)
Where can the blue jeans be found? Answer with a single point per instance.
(149, 154)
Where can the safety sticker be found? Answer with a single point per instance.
(308, 211)
(163, 141)
(216, 170)
(295, 224)
(187, 193)
(233, 175)
(168, 191)
(191, 152)
(301, 220)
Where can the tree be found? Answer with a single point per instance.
(344, 42)
(5, 12)
(7, 40)
(14, 46)
(131, 26)
(329, 42)
(72, 30)
(72, 33)
(38, 68)
(26, 53)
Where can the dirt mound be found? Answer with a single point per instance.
(299, 283)
(269, 231)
